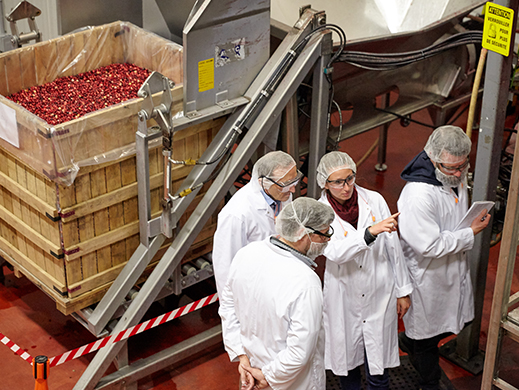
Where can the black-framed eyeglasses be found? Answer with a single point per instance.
(459, 168)
(286, 185)
(328, 234)
(338, 184)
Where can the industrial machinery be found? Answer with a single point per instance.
(307, 44)
(388, 73)
(22, 11)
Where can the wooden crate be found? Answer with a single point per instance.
(74, 254)
(68, 194)
(60, 150)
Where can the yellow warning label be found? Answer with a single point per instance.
(497, 30)
(206, 75)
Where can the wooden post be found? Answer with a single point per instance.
(504, 276)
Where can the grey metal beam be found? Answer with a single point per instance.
(122, 362)
(290, 133)
(2, 26)
(492, 123)
(206, 207)
(208, 113)
(129, 275)
(382, 138)
(319, 116)
(163, 359)
(142, 139)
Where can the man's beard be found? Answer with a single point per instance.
(450, 180)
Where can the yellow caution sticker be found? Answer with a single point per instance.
(497, 30)
(206, 75)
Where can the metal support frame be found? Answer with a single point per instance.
(151, 236)
(24, 10)
(464, 350)
(317, 45)
(319, 120)
(290, 133)
(382, 138)
(122, 361)
(142, 140)
(161, 360)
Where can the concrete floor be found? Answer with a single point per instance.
(29, 318)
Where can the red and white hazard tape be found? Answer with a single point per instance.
(122, 335)
(15, 348)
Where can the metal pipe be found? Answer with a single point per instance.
(319, 118)
(24, 38)
(290, 135)
(166, 155)
(143, 175)
(382, 139)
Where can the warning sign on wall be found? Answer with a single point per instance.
(497, 30)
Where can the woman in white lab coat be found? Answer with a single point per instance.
(249, 215)
(366, 282)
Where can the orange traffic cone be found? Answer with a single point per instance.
(41, 372)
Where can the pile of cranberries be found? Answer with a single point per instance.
(71, 97)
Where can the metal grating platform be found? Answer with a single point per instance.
(403, 377)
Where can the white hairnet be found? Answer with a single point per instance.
(447, 139)
(332, 162)
(273, 165)
(292, 220)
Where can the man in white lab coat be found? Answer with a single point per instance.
(249, 215)
(432, 203)
(271, 307)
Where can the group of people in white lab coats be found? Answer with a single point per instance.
(285, 329)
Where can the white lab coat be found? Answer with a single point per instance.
(271, 310)
(361, 285)
(442, 298)
(247, 217)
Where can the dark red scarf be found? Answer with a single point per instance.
(349, 211)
